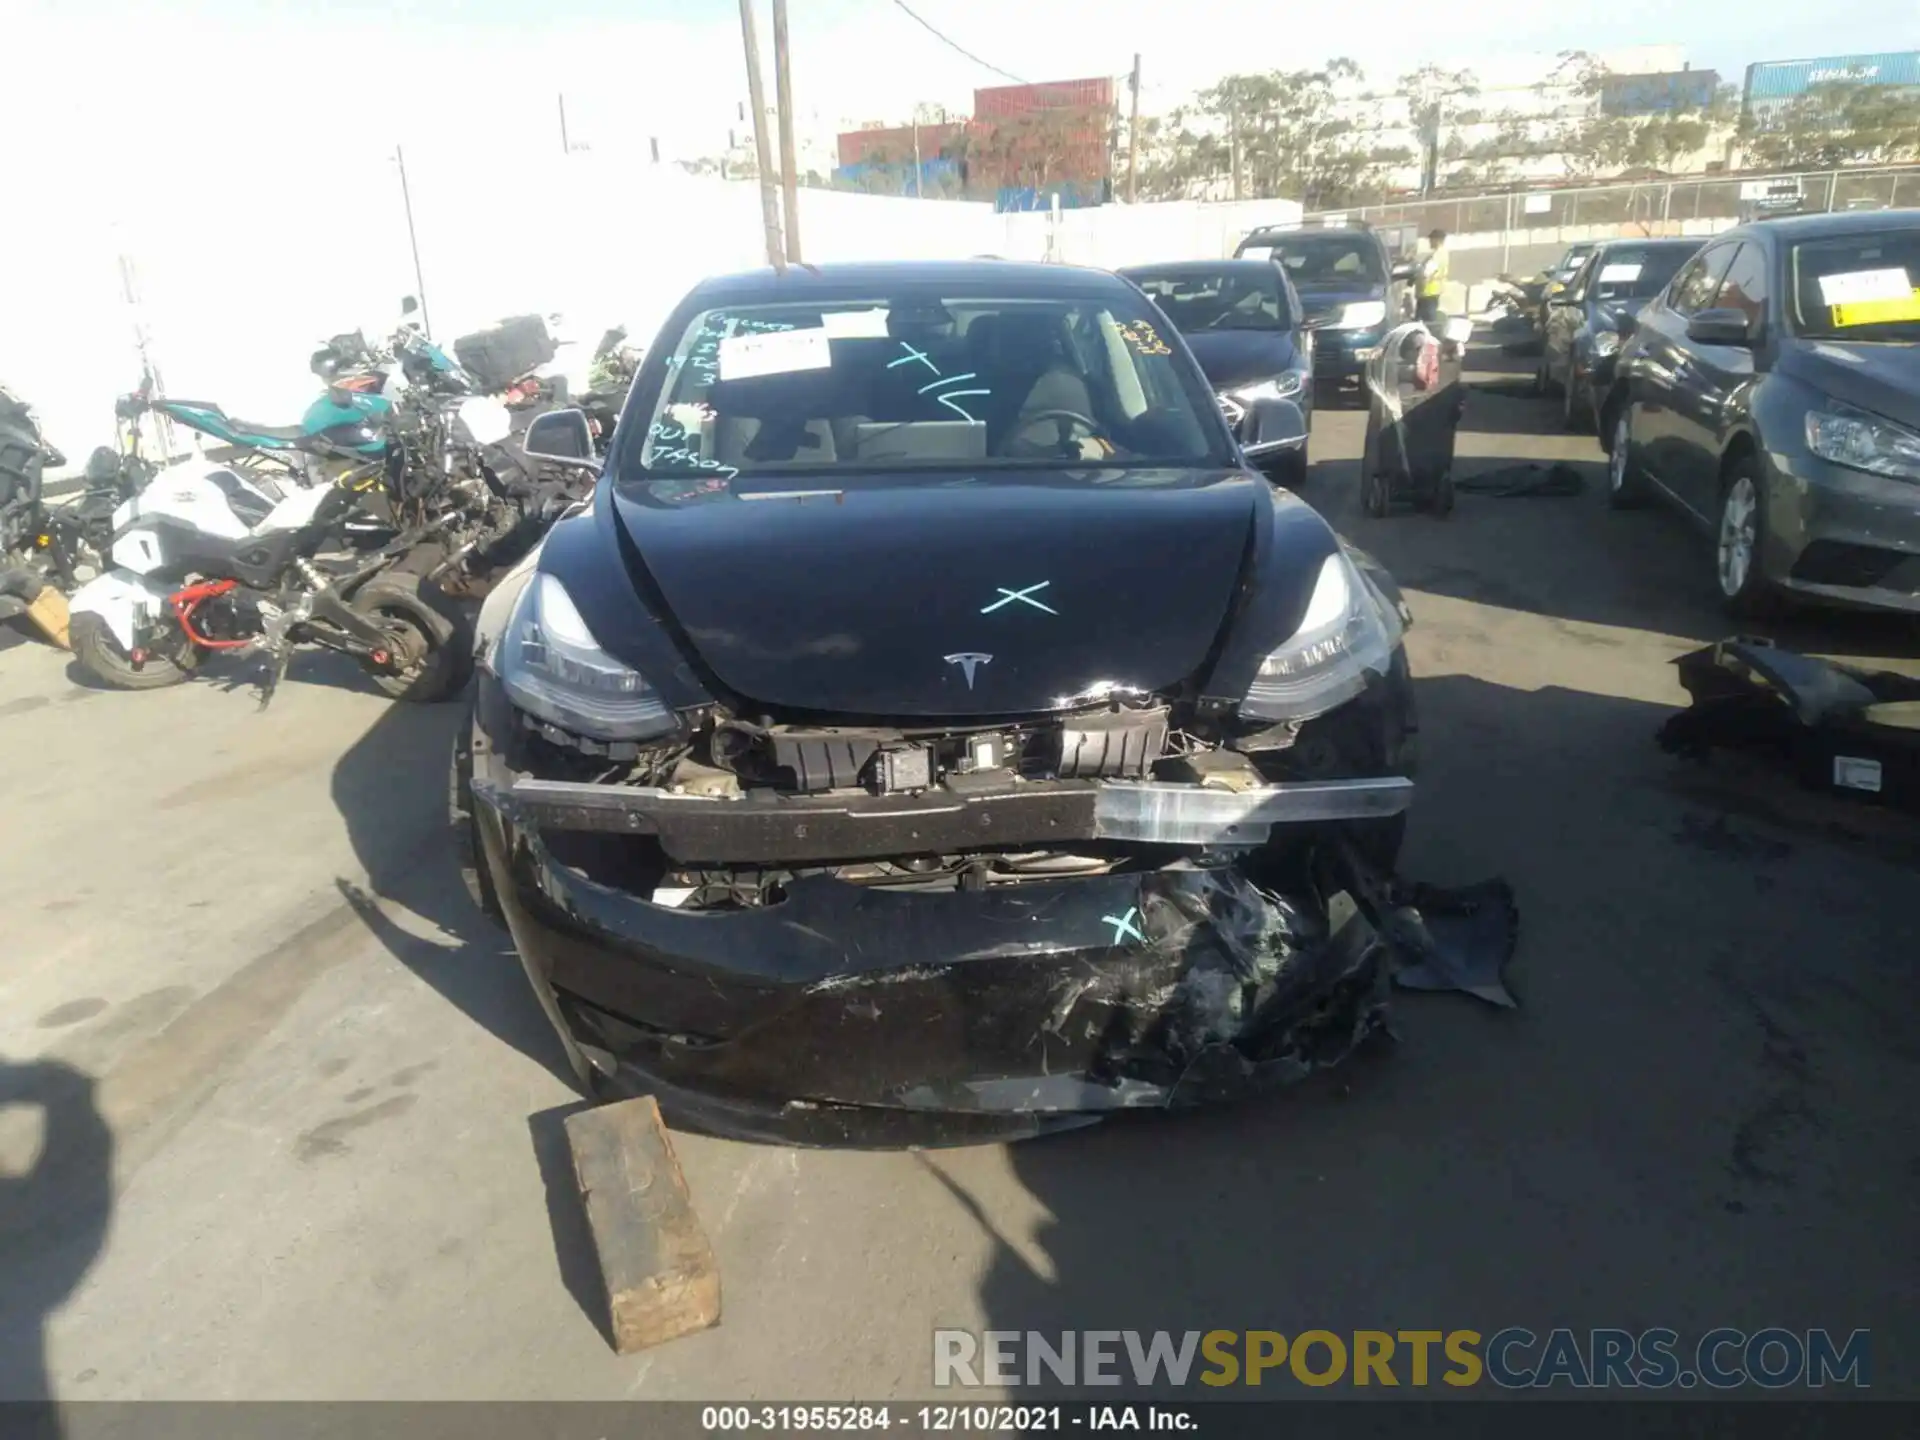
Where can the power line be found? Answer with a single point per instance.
(951, 45)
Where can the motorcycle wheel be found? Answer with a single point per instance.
(434, 645)
(100, 655)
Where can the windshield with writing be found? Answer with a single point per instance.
(1243, 298)
(911, 383)
(1858, 287)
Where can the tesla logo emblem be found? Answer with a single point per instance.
(969, 661)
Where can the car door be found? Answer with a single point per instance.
(1661, 363)
(1704, 393)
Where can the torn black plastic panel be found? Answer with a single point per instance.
(845, 1014)
(1838, 727)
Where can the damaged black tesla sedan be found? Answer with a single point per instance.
(935, 723)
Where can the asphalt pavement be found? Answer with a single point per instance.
(286, 1123)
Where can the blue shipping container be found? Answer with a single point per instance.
(899, 178)
(1784, 79)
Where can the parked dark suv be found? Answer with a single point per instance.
(1351, 290)
(1772, 393)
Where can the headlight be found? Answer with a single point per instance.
(1347, 633)
(1360, 315)
(1284, 386)
(1605, 343)
(1851, 437)
(554, 669)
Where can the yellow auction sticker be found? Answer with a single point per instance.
(1877, 312)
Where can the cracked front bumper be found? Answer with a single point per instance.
(851, 1014)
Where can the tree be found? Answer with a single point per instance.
(1433, 92)
(1841, 122)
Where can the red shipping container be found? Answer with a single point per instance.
(1003, 102)
(895, 143)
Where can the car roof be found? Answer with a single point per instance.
(1199, 267)
(1793, 228)
(857, 281)
(1267, 234)
(1656, 242)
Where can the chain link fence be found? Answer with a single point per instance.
(1645, 202)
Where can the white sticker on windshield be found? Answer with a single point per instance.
(855, 324)
(742, 357)
(1850, 772)
(1856, 287)
(1618, 274)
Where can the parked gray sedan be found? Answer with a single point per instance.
(1772, 393)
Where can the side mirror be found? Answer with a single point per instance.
(563, 435)
(1405, 271)
(408, 305)
(1276, 427)
(1719, 327)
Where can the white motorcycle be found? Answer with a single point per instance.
(208, 559)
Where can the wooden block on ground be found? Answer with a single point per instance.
(660, 1274)
(49, 612)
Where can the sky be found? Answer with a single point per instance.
(428, 70)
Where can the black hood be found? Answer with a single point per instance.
(1240, 357)
(859, 601)
(1878, 377)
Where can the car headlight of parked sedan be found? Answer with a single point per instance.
(1348, 632)
(1863, 441)
(553, 669)
(1284, 386)
(1359, 315)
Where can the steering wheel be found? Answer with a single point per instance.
(1066, 420)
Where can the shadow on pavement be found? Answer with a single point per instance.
(56, 1199)
(391, 789)
(573, 1245)
(1697, 1118)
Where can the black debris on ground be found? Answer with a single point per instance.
(1836, 727)
(1525, 481)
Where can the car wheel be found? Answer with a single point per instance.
(1572, 406)
(1373, 485)
(1626, 482)
(1740, 540)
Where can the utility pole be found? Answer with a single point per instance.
(413, 240)
(763, 149)
(1233, 145)
(916, 155)
(783, 96)
(566, 147)
(1133, 130)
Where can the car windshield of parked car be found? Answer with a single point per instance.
(1858, 287)
(1633, 273)
(918, 382)
(1243, 298)
(1325, 260)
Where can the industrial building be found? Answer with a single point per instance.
(1022, 146)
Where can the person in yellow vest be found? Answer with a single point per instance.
(1433, 279)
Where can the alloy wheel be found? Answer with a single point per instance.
(1739, 527)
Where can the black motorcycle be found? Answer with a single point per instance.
(40, 544)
